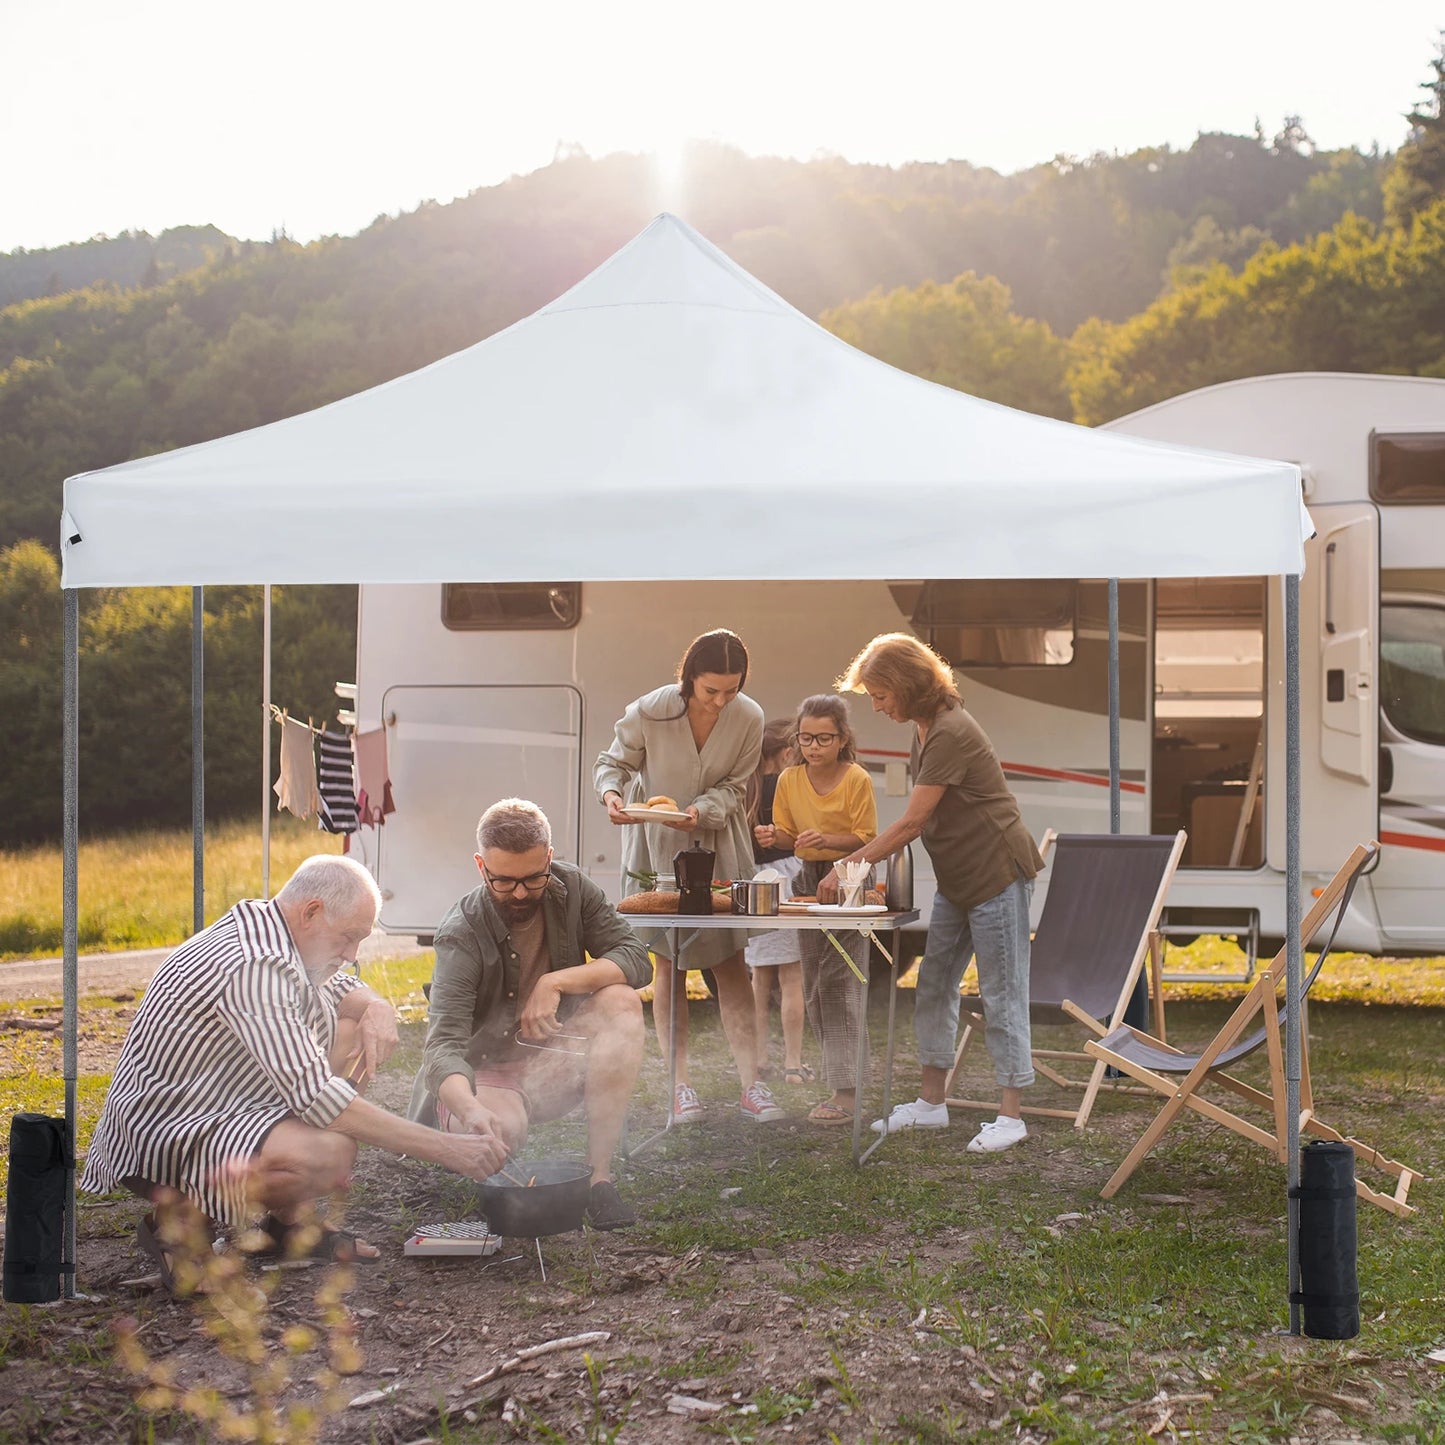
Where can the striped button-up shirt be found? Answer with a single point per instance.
(231, 1037)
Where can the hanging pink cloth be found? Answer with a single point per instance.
(374, 800)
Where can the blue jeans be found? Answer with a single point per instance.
(997, 933)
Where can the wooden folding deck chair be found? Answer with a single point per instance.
(1100, 921)
(1157, 1065)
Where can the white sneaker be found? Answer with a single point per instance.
(687, 1108)
(997, 1135)
(920, 1114)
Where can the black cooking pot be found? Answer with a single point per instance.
(555, 1204)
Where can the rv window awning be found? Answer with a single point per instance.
(671, 418)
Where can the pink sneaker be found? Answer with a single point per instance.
(758, 1105)
(686, 1106)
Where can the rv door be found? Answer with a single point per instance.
(453, 751)
(1339, 704)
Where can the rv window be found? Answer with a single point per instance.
(510, 606)
(1412, 669)
(1407, 468)
(993, 624)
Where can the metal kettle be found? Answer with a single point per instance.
(898, 885)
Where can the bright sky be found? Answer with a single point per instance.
(316, 116)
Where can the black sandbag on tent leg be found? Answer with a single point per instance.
(35, 1207)
(1328, 1288)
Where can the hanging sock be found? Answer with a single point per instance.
(336, 782)
(296, 787)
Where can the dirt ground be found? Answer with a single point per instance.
(429, 1327)
(689, 1341)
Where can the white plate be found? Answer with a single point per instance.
(654, 815)
(839, 910)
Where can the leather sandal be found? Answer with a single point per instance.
(337, 1246)
(800, 1074)
(829, 1113)
(162, 1255)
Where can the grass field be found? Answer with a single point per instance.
(135, 890)
(931, 1297)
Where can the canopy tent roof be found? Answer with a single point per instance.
(669, 417)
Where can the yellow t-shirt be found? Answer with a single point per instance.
(849, 808)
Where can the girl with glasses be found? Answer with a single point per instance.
(824, 809)
(698, 742)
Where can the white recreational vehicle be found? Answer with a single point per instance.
(488, 690)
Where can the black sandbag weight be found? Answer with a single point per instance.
(35, 1209)
(1329, 1291)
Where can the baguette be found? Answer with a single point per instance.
(660, 901)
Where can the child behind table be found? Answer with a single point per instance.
(825, 809)
(775, 955)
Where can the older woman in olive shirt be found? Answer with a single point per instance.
(985, 862)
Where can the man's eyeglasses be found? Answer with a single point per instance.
(533, 883)
(823, 740)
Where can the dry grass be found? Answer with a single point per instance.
(135, 890)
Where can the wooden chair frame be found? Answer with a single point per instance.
(1262, 999)
(1150, 949)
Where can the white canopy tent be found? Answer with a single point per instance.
(644, 425)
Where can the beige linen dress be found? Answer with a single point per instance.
(654, 752)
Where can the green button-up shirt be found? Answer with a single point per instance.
(470, 1010)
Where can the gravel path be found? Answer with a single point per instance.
(106, 972)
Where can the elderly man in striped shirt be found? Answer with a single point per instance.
(239, 1085)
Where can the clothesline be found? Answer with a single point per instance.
(344, 719)
(350, 787)
(280, 715)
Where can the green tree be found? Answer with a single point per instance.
(965, 335)
(1357, 298)
(1417, 178)
(30, 643)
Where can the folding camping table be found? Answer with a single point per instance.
(684, 928)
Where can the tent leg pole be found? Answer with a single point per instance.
(1294, 962)
(1137, 1012)
(1115, 812)
(70, 911)
(198, 759)
(266, 741)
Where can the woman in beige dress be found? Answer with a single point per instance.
(698, 742)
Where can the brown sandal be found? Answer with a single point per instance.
(829, 1113)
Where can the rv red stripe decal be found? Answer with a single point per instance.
(1028, 770)
(1413, 840)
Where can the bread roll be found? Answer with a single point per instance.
(662, 801)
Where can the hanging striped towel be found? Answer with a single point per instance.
(336, 781)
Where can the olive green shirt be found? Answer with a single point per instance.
(481, 969)
(975, 836)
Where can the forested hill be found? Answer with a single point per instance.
(1081, 288)
(263, 330)
(132, 259)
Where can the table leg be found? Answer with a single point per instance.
(861, 1159)
(671, 1044)
(859, 1077)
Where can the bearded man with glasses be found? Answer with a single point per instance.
(533, 1007)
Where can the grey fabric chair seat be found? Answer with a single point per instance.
(1098, 926)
